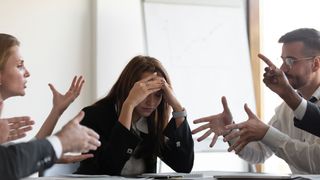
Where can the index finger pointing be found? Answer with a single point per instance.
(267, 61)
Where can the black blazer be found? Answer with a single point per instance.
(311, 119)
(20, 160)
(118, 143)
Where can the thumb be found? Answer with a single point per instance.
(225, 103)
(53, 90)
(248, 111)
(78, 117)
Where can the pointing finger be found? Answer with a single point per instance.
(267, 61)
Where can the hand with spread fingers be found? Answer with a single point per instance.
(18, 127)
(14, 128)
(60, 104)
(251, 130)
(214, 124)
(60, 101)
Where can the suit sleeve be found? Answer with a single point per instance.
(178, 152)
(23, 159)
(311, 119)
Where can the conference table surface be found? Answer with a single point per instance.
(199, 175)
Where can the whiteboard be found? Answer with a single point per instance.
(204, 47)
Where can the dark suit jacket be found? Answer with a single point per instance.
(20, 160)
(118, 143)
(311, 119)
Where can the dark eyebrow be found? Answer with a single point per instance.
(289, 57)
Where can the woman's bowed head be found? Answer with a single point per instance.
(144, 88)
(133, 121)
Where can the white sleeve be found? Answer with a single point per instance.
(255, 152)
(56, 144)
(301, 109)
(303, 156)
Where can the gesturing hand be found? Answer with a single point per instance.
(18, 127)
(251, 130)
(215, 123)
(4, 131)
(274, 78)
(61, 102)
(14, 128)
(77, 138)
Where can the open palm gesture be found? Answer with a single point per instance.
(60, 101)
(14, 128)
(214, 124)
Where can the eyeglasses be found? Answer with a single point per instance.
(289, 61)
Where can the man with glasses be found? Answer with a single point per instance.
(296, 82)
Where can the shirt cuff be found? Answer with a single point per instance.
(301, 109)
(274, 138)
(56, 144)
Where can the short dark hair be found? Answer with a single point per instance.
(309, 36)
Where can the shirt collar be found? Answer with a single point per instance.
(316, 94)
(142, 125)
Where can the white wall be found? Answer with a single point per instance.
(55, 38)
(120, 36)
(193, 41)
(60, 39)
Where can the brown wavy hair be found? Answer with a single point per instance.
(128, 77)
(6, 42)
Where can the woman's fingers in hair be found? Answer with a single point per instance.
(150, 77)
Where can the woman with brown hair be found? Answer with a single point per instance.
(134, 127)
